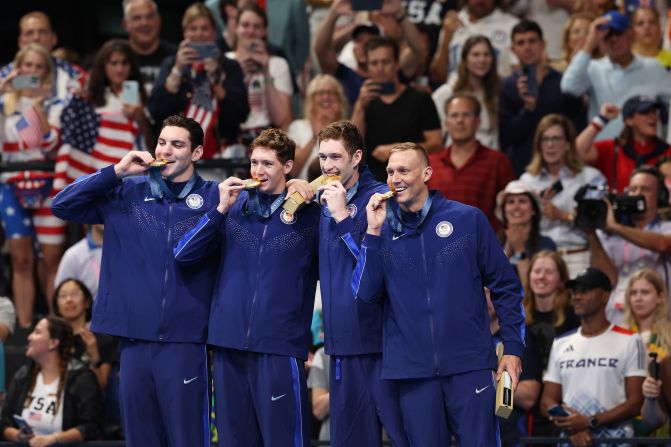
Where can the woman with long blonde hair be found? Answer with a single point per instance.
(646, 311)
(325, 103)
(556, 173)
(476, 74)
(30, 133)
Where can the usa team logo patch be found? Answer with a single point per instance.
(444, 229)
(194, 201)
(351, 210)
(287, 218)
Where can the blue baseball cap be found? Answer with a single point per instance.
(617, 22)
(639, 104)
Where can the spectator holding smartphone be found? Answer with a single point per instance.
(35, 28)
(100, 126)
(380, 112)
(25, 196)
(207, 89)
(529, 94)
(56, 395)
(267, 77)
(557, 173)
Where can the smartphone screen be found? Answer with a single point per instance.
(22, 424)
(530, 73)
(130, 92)
(557, 410)
(557, 187)
(366, 5)
(27, 81)
(387, 88)
(206, 50)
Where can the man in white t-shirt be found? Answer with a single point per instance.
(595, 372)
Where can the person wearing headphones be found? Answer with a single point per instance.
(642, 240)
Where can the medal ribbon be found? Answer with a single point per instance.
(395, 217)
(348, 196)
(253, 205)
(160, 188)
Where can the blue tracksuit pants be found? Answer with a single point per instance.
(260, 400)
(361, 402)
(163, 394)
(462, 405)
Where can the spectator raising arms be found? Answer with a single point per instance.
(573, 38)
(56, 395)
(476, 75)
(616, 77)
(636, 145)
(325, 102)
(206, 87)
(29, 131)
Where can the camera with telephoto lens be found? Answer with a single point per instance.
(593, 210)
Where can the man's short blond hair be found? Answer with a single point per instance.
(421, 151)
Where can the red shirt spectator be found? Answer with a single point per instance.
(476, 182)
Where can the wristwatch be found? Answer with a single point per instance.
(592, 422)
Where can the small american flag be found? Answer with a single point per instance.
(29, 128)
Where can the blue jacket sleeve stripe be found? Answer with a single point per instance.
(357, 276)
(351, 244)
(78, 180)
(184, 241)
(298, 431)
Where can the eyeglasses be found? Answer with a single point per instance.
(326, 92)
(553, 139)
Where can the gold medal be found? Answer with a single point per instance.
(159, 163)
(252, 183)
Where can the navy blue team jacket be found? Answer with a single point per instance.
(265, 289)
(351, 327)
(436, 321)
(143, 293)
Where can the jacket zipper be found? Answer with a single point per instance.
(428, 302)
(165, 277)
(256, 286)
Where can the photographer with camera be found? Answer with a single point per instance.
(637, 239)
(201, 83)
(636, 145)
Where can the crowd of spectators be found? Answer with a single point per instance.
(551, 116)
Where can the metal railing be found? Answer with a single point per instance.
(213, 163)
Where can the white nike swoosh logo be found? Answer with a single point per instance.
(186, 382)
(148, 199)
(478, 391)
(393, 238)
(273, 398)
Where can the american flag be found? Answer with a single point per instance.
(92, 140)
(29, 128)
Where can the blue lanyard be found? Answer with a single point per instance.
(160, 188)
(395, 218)
(348, 196)
(253, 205)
